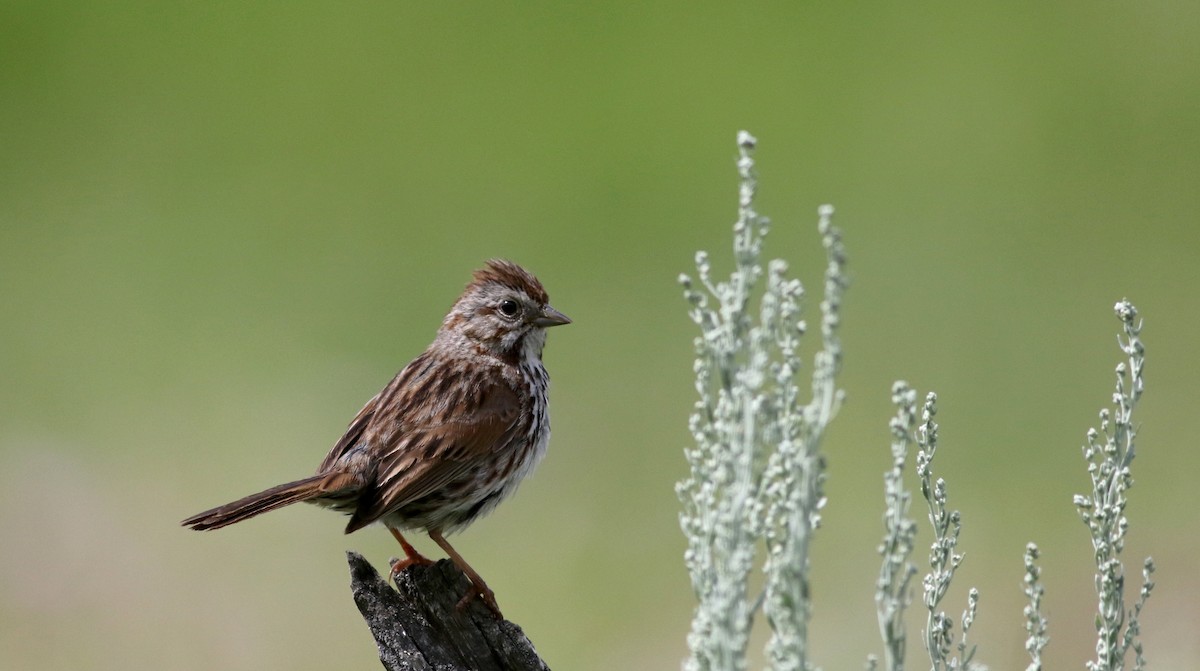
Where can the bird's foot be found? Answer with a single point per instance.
(486, 594)
(411, 556)
(398, 565)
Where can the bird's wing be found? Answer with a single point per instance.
(350, 438)
(393, 403)
(473, 417)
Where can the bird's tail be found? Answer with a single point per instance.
(324, 484)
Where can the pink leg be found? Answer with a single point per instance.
(410, 553)
(478, 586)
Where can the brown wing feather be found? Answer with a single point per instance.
(428, 453)
(352, 434)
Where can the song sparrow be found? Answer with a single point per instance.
(449, 437)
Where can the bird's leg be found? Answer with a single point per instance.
(478, 586)
(411, 555)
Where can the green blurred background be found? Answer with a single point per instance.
(223, 226)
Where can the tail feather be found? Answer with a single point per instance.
(270, 499)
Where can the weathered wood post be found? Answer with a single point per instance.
(418, 626)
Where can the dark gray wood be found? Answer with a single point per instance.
(418, 626)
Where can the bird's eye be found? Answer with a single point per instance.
(509, 308)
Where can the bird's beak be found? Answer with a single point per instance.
(551, 317)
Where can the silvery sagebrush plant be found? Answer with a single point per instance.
(756, 474)
(1109, 452)
(1035, 621)
(893, 588)
(756, 470)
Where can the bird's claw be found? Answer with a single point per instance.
(398, 565)
(485, 594)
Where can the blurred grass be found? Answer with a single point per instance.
(223, 226)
